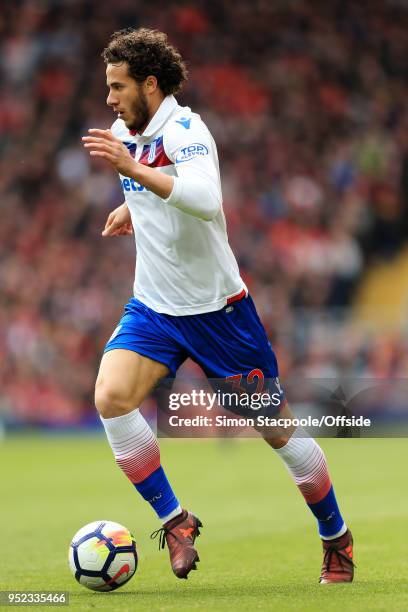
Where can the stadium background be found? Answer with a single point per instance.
(307, 103)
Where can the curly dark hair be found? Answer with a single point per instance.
(147, 52)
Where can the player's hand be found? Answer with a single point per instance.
(102, 143)
(118, 222)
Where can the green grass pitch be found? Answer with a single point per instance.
(259, 547)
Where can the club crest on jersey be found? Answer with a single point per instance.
(154, 155)
(193, 150)
(152, 152)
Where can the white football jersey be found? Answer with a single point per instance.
(184, 264)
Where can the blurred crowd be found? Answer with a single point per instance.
(307, 103)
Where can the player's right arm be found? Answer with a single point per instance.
(118, 222)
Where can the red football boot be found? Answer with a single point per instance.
(180, 533)
(338, 563)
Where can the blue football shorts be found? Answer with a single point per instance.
(230, 343)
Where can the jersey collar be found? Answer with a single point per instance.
(159, 118)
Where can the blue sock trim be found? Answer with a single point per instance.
(328, 514)
(157, 491)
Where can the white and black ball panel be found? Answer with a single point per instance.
(103, 555)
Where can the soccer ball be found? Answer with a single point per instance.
(102, 556)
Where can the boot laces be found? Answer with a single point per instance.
(342, 557)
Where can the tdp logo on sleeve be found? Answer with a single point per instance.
(193, 150)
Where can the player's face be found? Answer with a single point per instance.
(127, 97)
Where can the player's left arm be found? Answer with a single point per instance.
(102, 143)
(197, 188)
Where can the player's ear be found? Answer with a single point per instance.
(150, 84)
